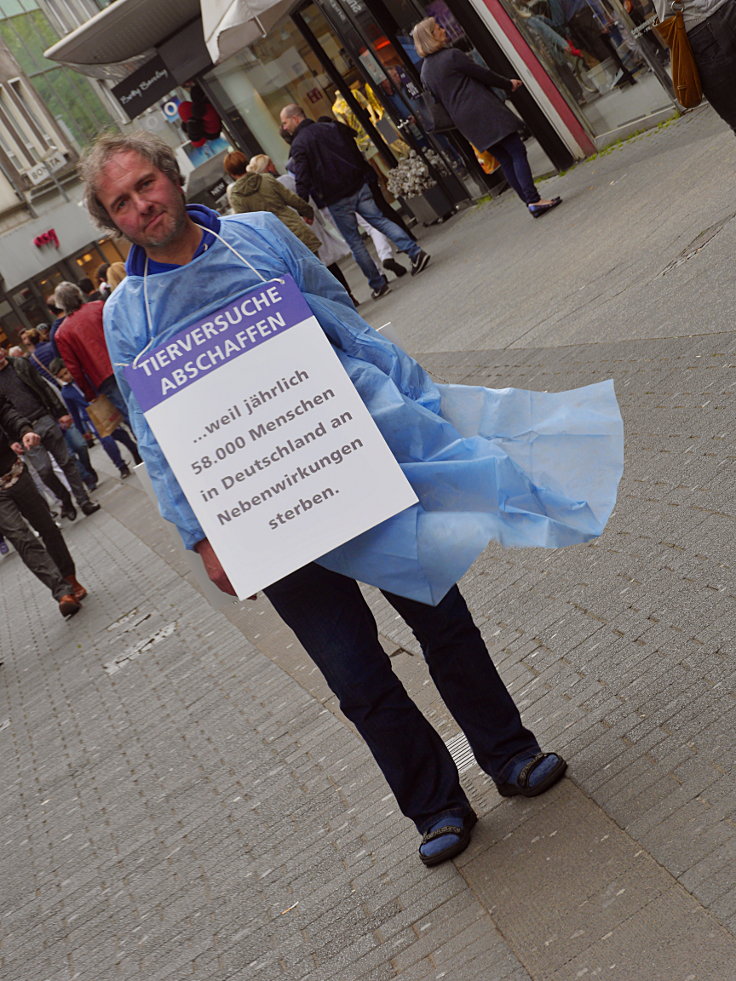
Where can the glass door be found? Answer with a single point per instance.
(383, 80)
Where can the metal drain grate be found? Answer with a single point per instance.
(461, 752)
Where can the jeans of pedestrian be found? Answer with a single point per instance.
(110, 446)
(343, 214)
(110, 388)
(334, 624)
(53, 442)
(77, 446)
(49, 564)
(511, 154)
(714, 47)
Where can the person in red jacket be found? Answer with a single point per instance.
(81, 343)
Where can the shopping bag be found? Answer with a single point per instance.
(685, 75)
(105, 417)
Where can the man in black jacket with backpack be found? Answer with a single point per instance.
(329, 167)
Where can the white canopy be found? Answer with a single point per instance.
(230, 25)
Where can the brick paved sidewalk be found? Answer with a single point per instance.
(183, 800)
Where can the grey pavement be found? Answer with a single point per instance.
(181, 797)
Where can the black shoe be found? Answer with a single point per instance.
(89, 507)
(137, 458)
(420, 262)
(124, 471)
(537, 210)
(395, 267)
(381, 291)
(69, 512)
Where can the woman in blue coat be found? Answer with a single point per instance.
(465, 89)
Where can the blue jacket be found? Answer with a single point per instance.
(522, 468)
(327, 163)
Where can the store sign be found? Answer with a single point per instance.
(43, 170)
(144, 87)
(267, 436)
(218, 188)
(47, 238)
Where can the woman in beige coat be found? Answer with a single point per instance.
(262, 192)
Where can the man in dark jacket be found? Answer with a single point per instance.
(329, 167)
(36, 401)
(21, 502)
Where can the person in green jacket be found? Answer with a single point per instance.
(262, 192)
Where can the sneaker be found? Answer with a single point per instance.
(89, 507)
(124, 471)
(381, 291)
(69, 512)
(68, 606)
(420, 262)
(395, 267)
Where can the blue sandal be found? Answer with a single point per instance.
(522, 784)
(456, 830)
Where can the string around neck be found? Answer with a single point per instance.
(146, 302)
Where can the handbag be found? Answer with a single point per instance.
(437, 118)
(685, 75)
(105, 417)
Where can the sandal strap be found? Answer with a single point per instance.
(447, 829)
(528, 769)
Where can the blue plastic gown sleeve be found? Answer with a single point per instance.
(525, 469)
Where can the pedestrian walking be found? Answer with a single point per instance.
(77, 404)
(465, 90)
(179, 252)
(21, 504)
(38, 402)
(711, 31)
(40, 351)
(332, 246)
(329, 168)
(81, 343)
(256, 191)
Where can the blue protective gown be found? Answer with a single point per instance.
(518, 467)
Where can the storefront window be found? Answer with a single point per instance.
(273, 72)
(600, 54)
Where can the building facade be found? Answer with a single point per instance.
(592, 72)
(48, 113)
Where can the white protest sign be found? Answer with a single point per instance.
(276, 453)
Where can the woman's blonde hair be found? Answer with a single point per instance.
(423, 36)
(116, 274)
(259, 164)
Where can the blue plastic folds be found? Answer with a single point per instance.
(521, 468)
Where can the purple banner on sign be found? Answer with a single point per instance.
(212, 341)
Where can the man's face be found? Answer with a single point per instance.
(144, 204)
(289, 123)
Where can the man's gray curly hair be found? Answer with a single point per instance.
(94, 161)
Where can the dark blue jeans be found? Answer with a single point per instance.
(714, 48)
(511, 154)
(343, 214)
(334, 624)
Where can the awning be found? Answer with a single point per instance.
(127, 33)
(230, 25)
(123, 36)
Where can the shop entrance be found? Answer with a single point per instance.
(356, 74)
